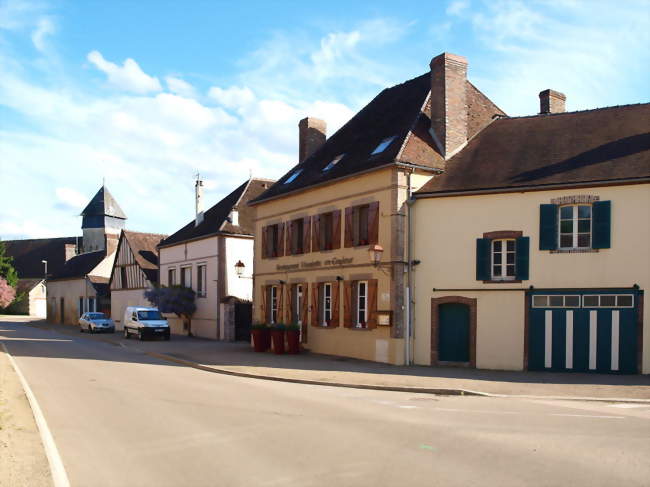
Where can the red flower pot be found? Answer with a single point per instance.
(261, 340)
(293, 341)
(278, 341)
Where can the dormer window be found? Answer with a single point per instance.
(293, 176)
(383, 145)
(333, 163)
(234, 217)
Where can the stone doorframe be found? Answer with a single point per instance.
(435, 316)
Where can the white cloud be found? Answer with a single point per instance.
(180, 87)
(44, 28)
(128, 77)
(71, 199)
(234, 97)
(457, 7)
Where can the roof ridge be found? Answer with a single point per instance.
(611, 107)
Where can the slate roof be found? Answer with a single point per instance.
(28, 255)
(103, 204)
(144, 248)
(26, 285)
(403, 112)
(606, 144)
(80, 265)
(216, 219)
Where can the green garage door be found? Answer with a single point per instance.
(583, 331)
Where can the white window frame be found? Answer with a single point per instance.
(299, 303)
(187, 269)
(273, 298)
(358, 323)
(326, 303)
(201, 279)
(574, 231)
(504, 259)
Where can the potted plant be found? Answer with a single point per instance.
(261, 337)
(293, 338)
(277, 335)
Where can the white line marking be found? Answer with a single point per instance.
(629, 406)
(569, 339)
(593, 334)
(464, 411)
(615, 337)
(59, 475)
(586, 416)
(407, 407)
(548, 338)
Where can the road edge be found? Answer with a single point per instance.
(57, 470)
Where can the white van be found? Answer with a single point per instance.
(145, 323)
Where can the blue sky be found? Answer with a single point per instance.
(147, 93)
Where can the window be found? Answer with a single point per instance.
(92, 304)
(327, 231)
(361, 304)
(273, 299)
(186, 277)
(383, 145)
(293, 176)
(362, 224)
(171, 277)
(272, 240)
(333, 162)
(298, 303)
(297, 229)
(556, 301)
(123, 277)
(503, 259)
(608, 301)
(326, 304)
(201, 277)
(575, 227)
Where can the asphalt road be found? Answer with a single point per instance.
(121, 418)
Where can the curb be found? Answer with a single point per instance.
(411, 389)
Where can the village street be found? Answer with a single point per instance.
(120, 417)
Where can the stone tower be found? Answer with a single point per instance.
(103, 220)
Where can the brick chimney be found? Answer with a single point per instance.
(198, 201)
(449, 102)
(551, 101)
(312, 134)
(70, 251)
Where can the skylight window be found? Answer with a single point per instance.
(383, 145)
(293, 177)
(333, 163)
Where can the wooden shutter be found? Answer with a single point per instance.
(335, 304)
(372, 303)
(373, 223)
(315, 233)
(280, 240)
(483, 259)
(264, 243)
(347, 304)
(548, 227)
(349, 230)
(291, 302)
(281, 303)
(306, 235)
(602, 224)
(314, 303)
(304, 311)
(336, 229)
(522, 251)
(265, 291)
(289, 243)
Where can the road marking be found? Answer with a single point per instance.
(629, 406)
(482, 411)
(407, 407)
(586, 416)
(59, 475)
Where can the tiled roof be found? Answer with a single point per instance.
(80, 265)
(26, 285)
(28, 255)
(145, 252)
(402, 112)
(606, 144)
(103, 204)
(216, 219)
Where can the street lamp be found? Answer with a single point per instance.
(239, 270)
(45, 262)
(374, 253)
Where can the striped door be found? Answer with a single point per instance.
(583, 331)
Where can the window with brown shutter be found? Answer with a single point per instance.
(361, 225)
(349, 230)
(334, 321)
(315, 233)
(306, 234)
(360, 304)
(265, 253)
(265, 300)
(327, 231)
(279, 251)
(273, 240)
(296, 237)
(372, 303)
(347, 304)
(304, 310)
(314, 304)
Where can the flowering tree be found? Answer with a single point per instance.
(7, 293)
(174, 299)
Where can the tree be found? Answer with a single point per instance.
(6, 266)
(7, 293)
(178, 300)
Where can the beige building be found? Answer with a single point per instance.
(333, 252)
(134, 271)
(533, 246)
(202, 256)
(33, 302)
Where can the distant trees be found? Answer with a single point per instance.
(7, 293)
(178, 300)
(6, 266)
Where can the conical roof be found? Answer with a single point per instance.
(103, 204)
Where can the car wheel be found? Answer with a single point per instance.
(126, 333)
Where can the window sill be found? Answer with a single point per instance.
(503, 281)
(574, 251)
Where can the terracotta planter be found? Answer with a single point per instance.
(293, 341)
(261, 340)
(278, 341)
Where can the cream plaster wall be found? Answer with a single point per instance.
(445, 233)
(70, 290)
(239, 249)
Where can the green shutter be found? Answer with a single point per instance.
(548, 227)
(522, 253)
(602, 224)
(482, 259)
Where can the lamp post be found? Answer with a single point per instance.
(374, 253)
(45, 262)
(239, 270)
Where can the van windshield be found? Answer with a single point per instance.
(150, 315)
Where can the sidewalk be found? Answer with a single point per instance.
(239, 359)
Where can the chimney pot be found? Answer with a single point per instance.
(449, 102)
(312, 133)
(551, 101)
(198, 201)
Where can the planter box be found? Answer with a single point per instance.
(261, 340)
(293, 341)
(278, 341)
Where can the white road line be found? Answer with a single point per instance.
(586, 416)
(407, 407)
(59, 475)
(629, 406)
(464, 411)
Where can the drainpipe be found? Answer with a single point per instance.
(409, 285)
